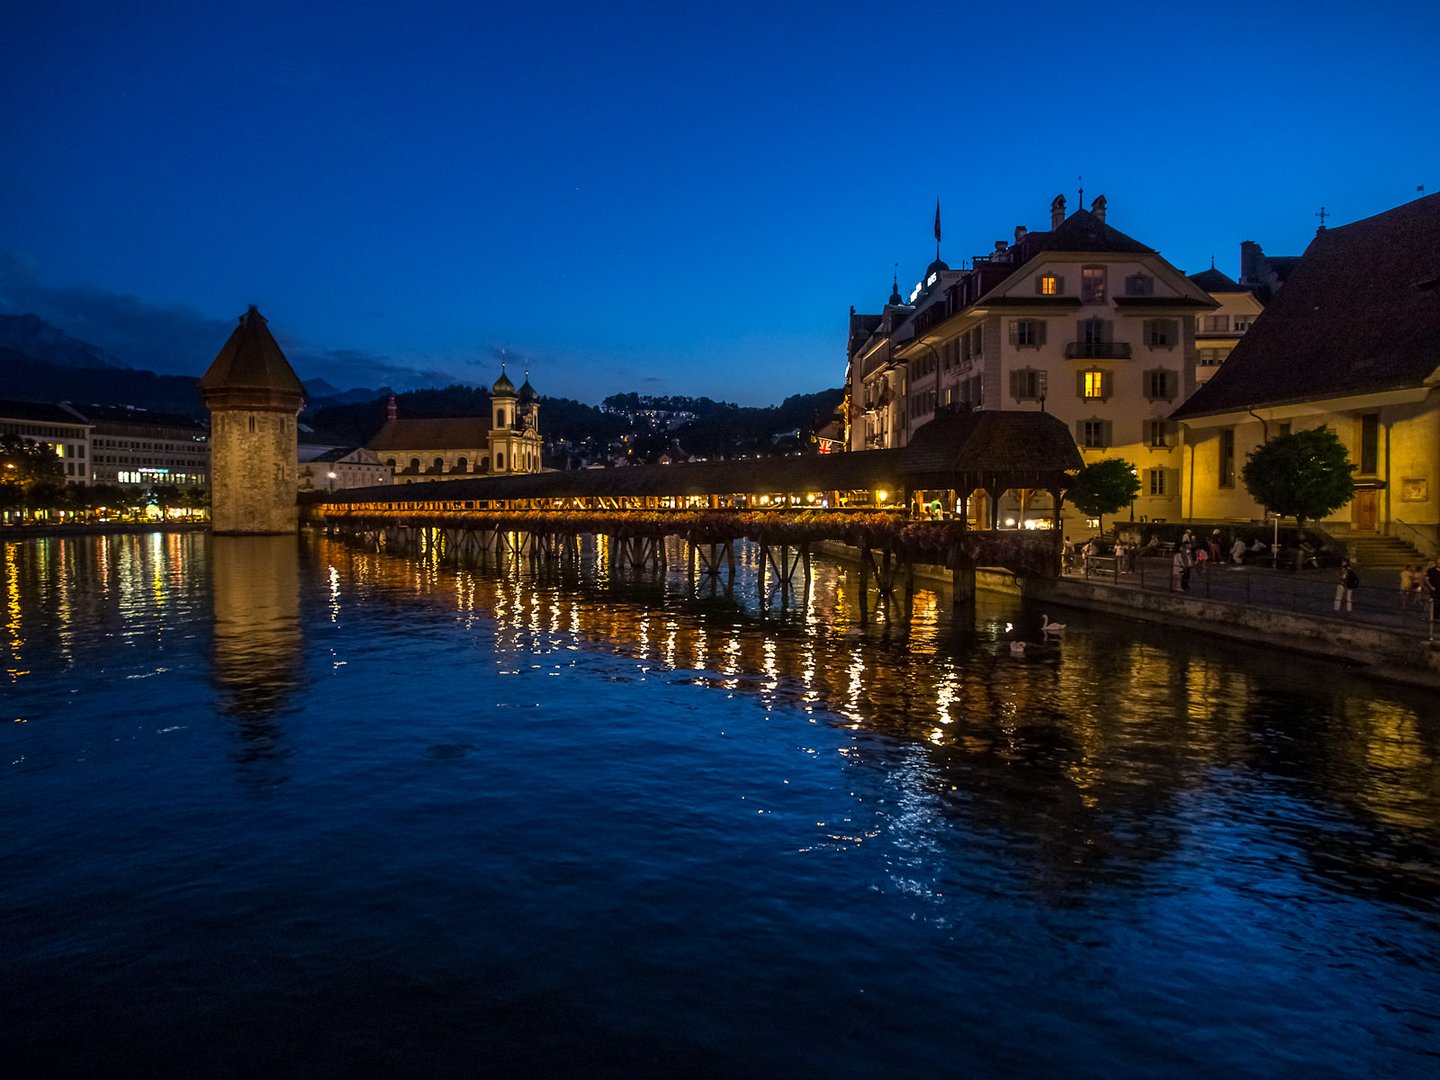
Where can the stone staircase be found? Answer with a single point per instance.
(1373, 552)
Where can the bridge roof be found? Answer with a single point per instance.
(961, 450)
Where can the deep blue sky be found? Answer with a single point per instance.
(664, 197)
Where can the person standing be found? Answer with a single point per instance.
(1345, 588)
(1180, 569)
(1432, 585)
(1237, 552)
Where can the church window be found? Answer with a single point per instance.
(439, 465)
(499, 462)
(415, 464)
(462, 465)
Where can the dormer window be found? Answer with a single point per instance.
(1139, 285)
(1049, 285)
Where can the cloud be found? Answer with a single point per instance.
(353, 368)
(174, 339)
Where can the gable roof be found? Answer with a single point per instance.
(41, 412)
(1360, 314)
(1213, 281)
(439, 433)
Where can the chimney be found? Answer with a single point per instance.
(1020, 232)
(1000, 246)
(1057, 212)
(1098, 208)
(392, 408)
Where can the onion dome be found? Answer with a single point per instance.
(528, 396)
(503, 386)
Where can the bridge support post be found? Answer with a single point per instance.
(864, 586)
(962, 583)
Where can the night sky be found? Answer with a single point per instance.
(670, 198)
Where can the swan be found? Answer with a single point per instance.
(1048, 627)
(1017, 648)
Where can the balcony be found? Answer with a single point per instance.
(1097, 350)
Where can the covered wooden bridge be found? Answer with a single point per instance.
(935, 501)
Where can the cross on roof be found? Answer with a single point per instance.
(1322, 214)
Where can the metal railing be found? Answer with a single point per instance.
(1308, 591)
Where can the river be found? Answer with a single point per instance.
(288, 807)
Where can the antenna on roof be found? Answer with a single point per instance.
(1082, 191)
(1212, 262)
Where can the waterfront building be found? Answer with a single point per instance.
(1216, 332)
(1081, 321)
(1352, 342)
(330, 468)
(55, 425)
(453, 448)
(254, 398)
(138, 448)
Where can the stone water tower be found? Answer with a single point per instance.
(254, 398)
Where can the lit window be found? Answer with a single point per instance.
(1094, 385)
(1048, 285)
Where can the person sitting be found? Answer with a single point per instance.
(1237, 552)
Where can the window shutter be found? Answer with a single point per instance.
(1080, 384)
(1107, 330)
(1060, 286)
(1148, 330)
(1039, 286)
(1107, 387)
(1172, 331)
(1079, 432)
(1080, 330)
(1014, 331)
(1039, 331)
(1168, 380)
(1015, 385)
(1109, 433)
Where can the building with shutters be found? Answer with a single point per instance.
(1080, 321)
(1217, 332)
(1351, 342)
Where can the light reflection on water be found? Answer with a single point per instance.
(596, 825)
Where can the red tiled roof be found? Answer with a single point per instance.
(447, 433)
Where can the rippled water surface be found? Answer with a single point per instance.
(279, 808)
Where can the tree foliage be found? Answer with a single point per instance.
(1304, 475)
(1104, 487)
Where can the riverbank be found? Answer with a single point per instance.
(97, 528)
(1377, 652)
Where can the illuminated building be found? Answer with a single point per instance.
(1216, 332)
(131, 446)
(1081, 321)
(254, 398)
(55, 425)
(452, 448)
(330, 468)
(1352, 342)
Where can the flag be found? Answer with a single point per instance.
(937, 221)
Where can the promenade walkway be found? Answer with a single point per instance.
(1309, 591)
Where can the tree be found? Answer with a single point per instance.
(1305, 474)
(1104, 487)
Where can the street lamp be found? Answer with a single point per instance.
(332, 481)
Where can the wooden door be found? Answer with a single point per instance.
(1364, 513)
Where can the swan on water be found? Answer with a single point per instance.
(1048, 627)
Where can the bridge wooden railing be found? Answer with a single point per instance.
(946, 543)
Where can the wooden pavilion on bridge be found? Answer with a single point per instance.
(881, 502)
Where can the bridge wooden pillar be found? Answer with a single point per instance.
(962, 582)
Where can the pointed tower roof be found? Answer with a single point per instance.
(503, 386)
(251, 371)
(528, 396)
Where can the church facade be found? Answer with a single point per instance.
(453, 448)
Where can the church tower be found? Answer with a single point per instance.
(254, 398)
(503, 424)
